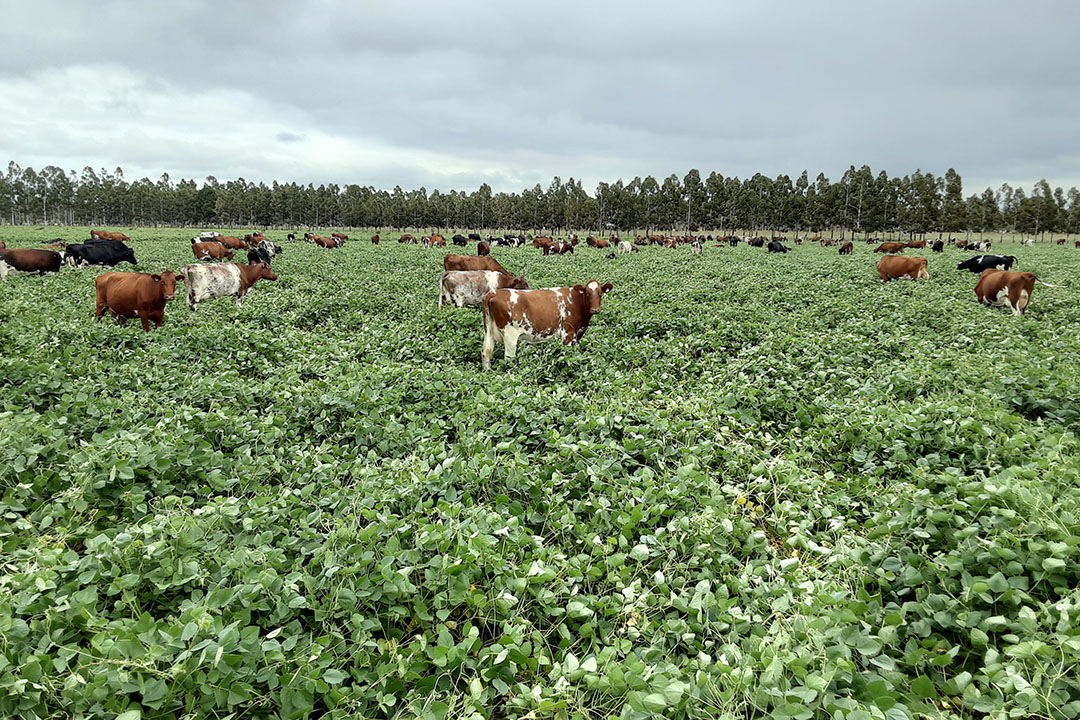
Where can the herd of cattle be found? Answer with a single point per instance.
(512, 311)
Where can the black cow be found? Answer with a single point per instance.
(474, 236)
(99, 252)
(938, 246)
(291, 237)
(778, 247)
(263, 252)
(987, 262)
(460, 240)
(756, 242)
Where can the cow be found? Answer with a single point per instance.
(938, 246)
(105, 235)
(756, 242)
(979, 263)
(468, 262)
(625, 247)
(460, 240)
(128, 295)
(206, 282)
(1011, 289)
(1061, 241)
(559, 247)
(534, 316)
(29, 260)
(375, 239)
(211, 250)
(107, 252)
(540, 240)
(325, 243)
(847, 248)
(340, 236)
(916, 244)
(468, 287)
(437, 239)
(895, 266)
(597, 243)
(254, 238)
(1077, 244)
(1029, 242)
(960, 243)
(263, 252)
(545, 244)
(978, 245)
(291, 237)
(475, 237)
(695, 247)
(483, 248)
(232, 242)
(890, 247)
(407, 239)
(776, 246)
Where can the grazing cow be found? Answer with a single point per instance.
(142, 295)
(475, 236)
(1011, 289)
(938, 246)
(340, 236)
(29, 260)
(756, 242)
(610, 256)
(545, 244)
(263, 252)
(890, 247)
(1030, 242)
(959, 243)
(733, 241)
(375, 239)
(232, 242)
(1060, 242)
(778, 247)
(437, 239)
(895, 266)
(104, 235)
(979, 263)
(597, 243)
(407, 239)
(483, 248)
(847, 248)
(978, 245)
(291, 237)
(468, 287)
(468, 262)
(211, 250)
(460, 240)
(916, 244)
(254, 238)
(559, 247)
(534, 316)
(798, 241)
(206, 282)
(540, 240)
(695, 247)
(1077, 244)
(100, 252)
(625, 247)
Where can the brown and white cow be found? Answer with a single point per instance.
(847, 248)
(1008, 288)
(29, 260)
(105, 235)
(890, 247)
(468, 262)
(206, 282)
(339, 236)
(894, 266)
(407, 239)
(211, 250)
(142, 295)
(534, 316)
(559, 247)
(468, 287)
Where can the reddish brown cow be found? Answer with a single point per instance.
(467, 262)
(105, 235)
(29, 260)
(211, 251)
(232, 242)
(916, 244)
(408, 239)
(255, 238)
(326, 243)
(339, 236)
(847, 248)
(559, 247)
(534, 316)
(961, 243)
(598, 243)
(1061, 241)
(540, 240)
(1011, 289)
(890, 247)
(142, 295)
(375, 239)
(483, 248)
(438, 240)
(1077, 244)
(894, 266)
(544, 244)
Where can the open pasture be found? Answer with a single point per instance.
(760, 486)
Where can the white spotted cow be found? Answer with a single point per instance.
(206, 282)
(468, 287)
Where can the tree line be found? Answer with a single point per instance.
(859, 202)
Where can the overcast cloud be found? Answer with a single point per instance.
(452, 94)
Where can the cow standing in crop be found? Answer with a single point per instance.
(468, 287)
(894, 266)
(206, 282)
(28, 260)
(128, 295)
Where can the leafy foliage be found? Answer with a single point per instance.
(761, 486)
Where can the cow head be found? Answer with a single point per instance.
(130, 257)
(265, 273)
(593, 292)
(519, 284)
(167, 282)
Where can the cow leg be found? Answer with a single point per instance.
(100, 305)
(510, 341)
(145, 317)
(490, 332)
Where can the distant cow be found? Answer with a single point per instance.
(979, 263)
(468, 287)
(291, 237)
(1011, 289)
(895, 266)
(468, 262)
(460, 240)
(775, 246)
(625, 247)
(263, 252)
(847, 248)
(375, 239)
(100, 252)
(890, 247)
(206, 282)
(559, 247)
(474, 236)
(533, 316)
(483, 248)
(128, 295)
(695, 247)
(938, 246)
(211, 250)
(597, 243)
(407, 239)
(756, 242)
(28, 260)
(105, 235)
(917, 244)
(340, 236)
(232, 242)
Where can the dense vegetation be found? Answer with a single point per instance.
(761, 486)
(860, 202)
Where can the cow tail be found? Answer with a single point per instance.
(1047, 284)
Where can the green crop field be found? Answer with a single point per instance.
(760, 486)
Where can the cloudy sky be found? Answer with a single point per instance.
(453, 94)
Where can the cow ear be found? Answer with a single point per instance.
(606, 287)
(579, 288)
(156, 278)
